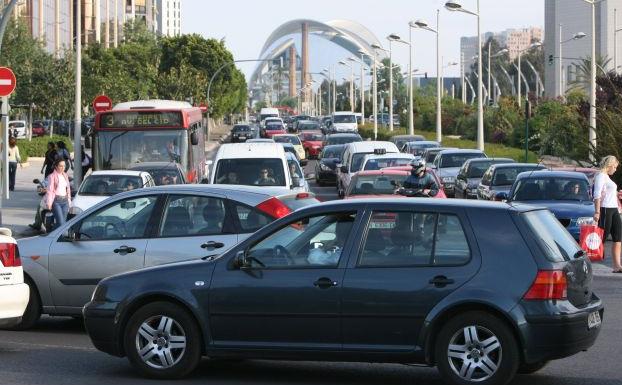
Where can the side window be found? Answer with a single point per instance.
(188, 215)
(413, 239)
(487, 177)
(251, 219)
(126, 219)
(316, 241)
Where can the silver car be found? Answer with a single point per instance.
(141, 228)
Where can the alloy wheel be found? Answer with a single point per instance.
(474, 353)
(160, 342)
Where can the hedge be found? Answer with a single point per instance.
(492, 149)
(38, 146)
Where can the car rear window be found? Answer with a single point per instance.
(457, 160)
(298, 201)
(376, 184)
(250, 172)
(558, 245)
(105, 185)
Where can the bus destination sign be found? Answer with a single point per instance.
(141, 119)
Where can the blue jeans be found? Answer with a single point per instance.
(60, 208)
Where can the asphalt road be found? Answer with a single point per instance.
(59, 352)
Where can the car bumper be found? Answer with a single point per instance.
(102, 327)
(550, 333)
(13, 302)
(314, 152)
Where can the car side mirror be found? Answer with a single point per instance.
(239, 261)
(194, 138)
(501, 197)
(69, 235)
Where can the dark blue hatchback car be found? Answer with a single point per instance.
(566, 194)
(481, 290)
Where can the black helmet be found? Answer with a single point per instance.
(418, 166)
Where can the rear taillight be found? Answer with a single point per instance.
(274, 207)
(302, 195)
(549, 284)
(9, 255)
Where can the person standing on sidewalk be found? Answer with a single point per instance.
(14, 158)
(58, 196)
(50, 157)
(606, 207)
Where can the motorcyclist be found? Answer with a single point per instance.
(419, 183)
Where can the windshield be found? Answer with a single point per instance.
(344, 119)
(551, 189)
(507, 176)
(357, 161)
(309, 126)
(456, 160)
(274, 126)
(430, 157)
(376, 184)
(287, 139)
(241, 128)
(377, 164)
(118, 150)
(332, 152)
(312, 137)
(106, 185)
(419, 148)
(477, 169)
(250, 172)
(344, 139)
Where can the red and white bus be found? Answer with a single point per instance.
(151, 131)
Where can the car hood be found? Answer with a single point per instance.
(345, 126)
(448, 171)
(565, 209)
(85, 202)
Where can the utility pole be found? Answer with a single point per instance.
(77, 128)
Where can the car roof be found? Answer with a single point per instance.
(390, 155)
(551, 174)
(365, 146)
(439, 149)
(117, 172)
(343, 135)
(460, 151)
(266, 191)
(284, 135)
(486, 160)
(422, 142)
(406, 136)
(512, 165)
(385, 171)
(250, 150)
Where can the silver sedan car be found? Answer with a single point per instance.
(141, 228)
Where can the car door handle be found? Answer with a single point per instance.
(441, 281)
(325, 283)
(212, 244)
(125, 250)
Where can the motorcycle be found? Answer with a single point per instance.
(44, 216)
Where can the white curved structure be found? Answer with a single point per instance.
(349, 35)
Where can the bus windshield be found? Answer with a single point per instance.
(120, 149)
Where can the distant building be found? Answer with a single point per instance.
(575, 16)
(168, 17)
(514, 40)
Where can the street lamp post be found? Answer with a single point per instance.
(390, 84)
(375, 87)
(396, 38)
(576, 36)
(352, 101)
(520, 54)
(454, 5)
(592, 128)
(424, 25)
(362, 89)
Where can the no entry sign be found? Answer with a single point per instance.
(102, 103)
(7, 81)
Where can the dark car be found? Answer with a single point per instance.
(417, 148)
(342, 139)
(326, 165)
(479, 289)
(500, 178)
(400, 140)
(163, 173)
(448, 163)
(241, 132)
(566, 194)
(471, 173)
(293, 124)
(430, 153)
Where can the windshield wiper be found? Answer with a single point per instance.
(107, 163)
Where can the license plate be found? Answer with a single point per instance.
(593, 320)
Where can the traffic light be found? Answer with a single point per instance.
(551, 60)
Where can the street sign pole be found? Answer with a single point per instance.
(4, 153)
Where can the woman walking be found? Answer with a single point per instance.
(58, 196)
(606, 207)
(50, 157)
(14, 158)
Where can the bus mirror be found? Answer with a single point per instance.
(194, 138)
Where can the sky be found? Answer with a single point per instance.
(245, 25)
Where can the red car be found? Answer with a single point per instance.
(313, 142)
(381, 183)
(38, 129)
(273, 129)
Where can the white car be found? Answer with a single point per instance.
(14, 293)
(99, 185)
(17, 128)
(294, 140)
(343, 121)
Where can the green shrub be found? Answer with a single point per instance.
(38, 146)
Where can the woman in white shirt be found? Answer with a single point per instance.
(606, 207)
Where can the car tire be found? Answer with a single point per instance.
(489, 356)
(33, 309)
(171, 324)
(531, 368)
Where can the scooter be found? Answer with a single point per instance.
(45, 216)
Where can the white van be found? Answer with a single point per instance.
(343, 121)
(251, 164)
(17, 128)
(268, 113)
(352, 160)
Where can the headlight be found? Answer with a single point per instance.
(324, 167)
(75, 211)
(584, 221)
(448, 179)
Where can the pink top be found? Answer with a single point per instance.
(54, 186)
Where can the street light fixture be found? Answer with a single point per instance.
(362, 91)
(455, 5)
(576, 36)
(422, 24)
(392, 37)
(520, 54)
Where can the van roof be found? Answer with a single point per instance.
(250, 150)
(369, 146)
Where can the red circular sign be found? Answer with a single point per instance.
(7, 81)
(102, 103)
